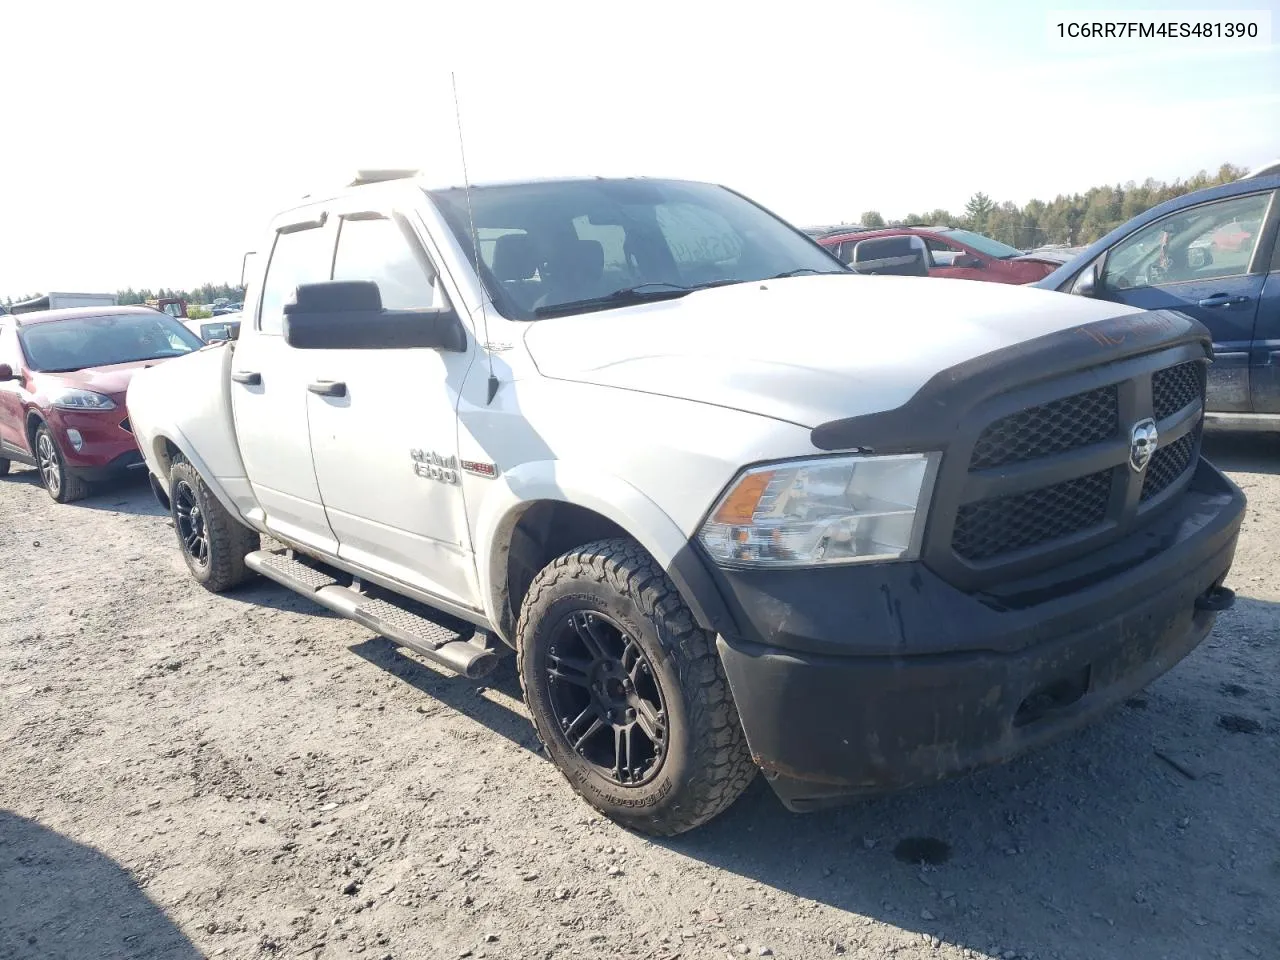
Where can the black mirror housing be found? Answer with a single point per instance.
(348, 315)
(897, 255)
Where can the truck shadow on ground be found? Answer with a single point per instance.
(62, 900)
(1244, 452)
(468, 698)
(1118, 839)
(1116, 842)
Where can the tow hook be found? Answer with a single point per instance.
(1216, 599)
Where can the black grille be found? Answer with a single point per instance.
(1175, 387)
(1002, 524)
(1054, 427)
(1168, 464)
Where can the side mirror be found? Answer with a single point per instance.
(900, 256)
(1086, 284)
(348, 315)
(969, 262)
(6, 373)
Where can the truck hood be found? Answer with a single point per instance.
(111, 380)
(805, 349)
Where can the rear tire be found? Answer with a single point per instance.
(4, 467)
(63, 486)
(628, 693)
(213, 543)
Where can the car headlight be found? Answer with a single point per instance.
(827, 510)
(71, 398)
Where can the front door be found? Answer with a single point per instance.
(1200, 261)
(269, 393)
(385, 446)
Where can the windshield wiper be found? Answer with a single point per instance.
(799, 271)
(651, 291)
(641, 293)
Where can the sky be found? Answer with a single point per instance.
(147, 144)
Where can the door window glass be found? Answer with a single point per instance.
(944, 254)
(378, 249)
(1205, 242)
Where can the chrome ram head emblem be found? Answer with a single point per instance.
(1143, 439)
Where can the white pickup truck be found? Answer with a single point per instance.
(734, 507)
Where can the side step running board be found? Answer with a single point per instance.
(436, 642)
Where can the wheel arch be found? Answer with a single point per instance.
(543, 510)
(165, 445)
(32, 423)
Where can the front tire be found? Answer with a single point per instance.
(63, 486)
(628, 693)
(213, 542)
(4, 467)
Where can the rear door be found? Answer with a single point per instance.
(269, 390)
(1203, 261)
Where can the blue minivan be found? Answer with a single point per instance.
(1213, 255)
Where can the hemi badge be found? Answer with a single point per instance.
(479, 469)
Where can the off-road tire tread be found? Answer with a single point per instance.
(73, 488)
(721, 759)
(227, 567)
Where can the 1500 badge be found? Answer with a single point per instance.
(432, 466)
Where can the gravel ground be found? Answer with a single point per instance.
(184, 775)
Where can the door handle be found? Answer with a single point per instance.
(1222, 300)
(250, 377)
(328, 388)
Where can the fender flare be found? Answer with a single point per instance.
(614, 499)
(174, 436)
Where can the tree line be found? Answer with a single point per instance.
(205, 293)
(1073, 219)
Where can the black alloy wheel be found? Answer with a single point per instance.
(605, 696)
(192, 530)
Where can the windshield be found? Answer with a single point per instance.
(57, 346)
(571, 246)
(992, 248)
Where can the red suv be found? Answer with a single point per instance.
(63, 376)
(948, 252)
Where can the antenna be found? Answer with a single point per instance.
(475, 240)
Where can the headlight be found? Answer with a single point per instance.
(73, 399)
(803, 513)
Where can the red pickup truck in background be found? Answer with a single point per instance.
(945, 252)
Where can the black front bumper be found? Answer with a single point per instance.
(864, 679)
(129, 463)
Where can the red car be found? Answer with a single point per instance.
(63, 376)
(950, 252)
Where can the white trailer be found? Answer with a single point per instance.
(58, 301)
